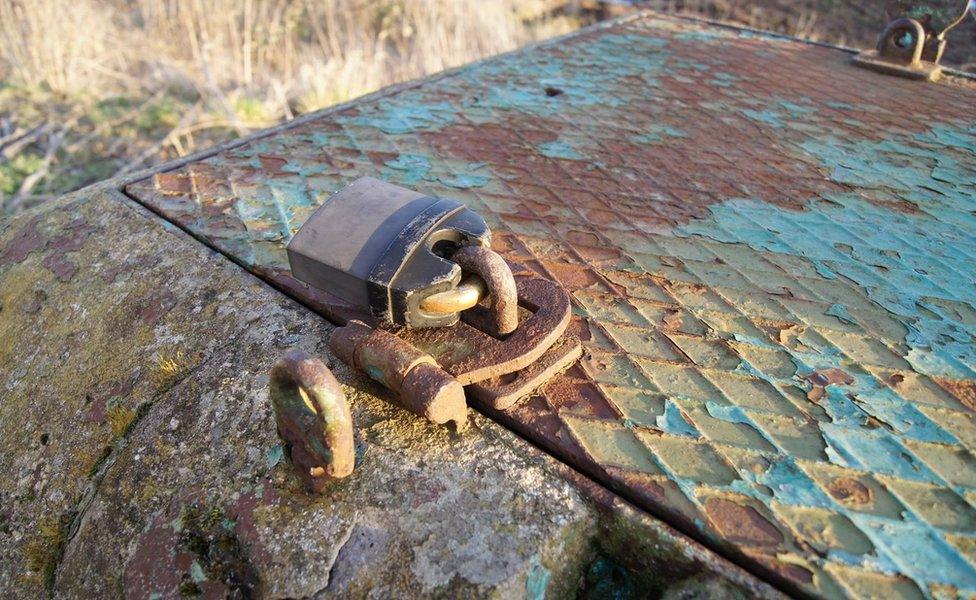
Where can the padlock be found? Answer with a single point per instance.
(400, 255)
(379, 246)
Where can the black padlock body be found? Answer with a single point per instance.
(372, 244)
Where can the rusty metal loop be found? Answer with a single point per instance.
(489, 277)
(889, 43)
(502, 291)
(313, 419)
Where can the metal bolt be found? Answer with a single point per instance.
(313, 419)
(422, 386)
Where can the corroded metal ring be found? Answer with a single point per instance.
(313, 419)
(494, 277)
(890, 43)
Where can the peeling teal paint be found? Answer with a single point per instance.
(795, 109)
(465, 180)
(413, 168)
(941, 347)
(725, 80)
(613, 56)
(274, 455)
(728, 413)
(767, 117)
(868, 270)
(840, 312)
(657, 133)
(792, 486)
(559, 149)
(672, 421)
(398, 118)
(875, 451)
(917, 550)
(900, 260)
(537, 581)
(841, 408)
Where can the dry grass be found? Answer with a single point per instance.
(802, 21)
(131, 82)
(291, 55)
(39, 47)
(94, 88)
(285, 52)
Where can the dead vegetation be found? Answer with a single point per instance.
(852, 23)
(95, 88)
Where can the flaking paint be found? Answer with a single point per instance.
(787, 202)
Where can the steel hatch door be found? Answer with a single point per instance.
(771, 256)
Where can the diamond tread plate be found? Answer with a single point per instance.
(772, 261)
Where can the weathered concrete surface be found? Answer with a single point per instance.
(138, 452)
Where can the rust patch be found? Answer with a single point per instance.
(502, 315)
(849, 490)
(576, 394)
(156, 563)
(58, 264)
(471, 355)
(155, 306)
(742, 524)
(780, 221)
(825, 377)
(272, 165)
(502, 392)
(420, 384)
(242, 513)
(78, 232)
(97, 407)
(964, 390)
(313, 419)
(29, 239)
(793, 573)
(176, 183)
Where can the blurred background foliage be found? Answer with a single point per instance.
(90, 89)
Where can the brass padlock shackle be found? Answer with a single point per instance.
(490, 277)
(467, 294)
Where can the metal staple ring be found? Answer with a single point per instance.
(491, 277)
(313, 419)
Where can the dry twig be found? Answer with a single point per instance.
(54, 141)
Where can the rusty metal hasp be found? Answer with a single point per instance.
(424, 263)
(381, 246)
(912, 47)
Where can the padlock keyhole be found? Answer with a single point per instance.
(445, 248)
